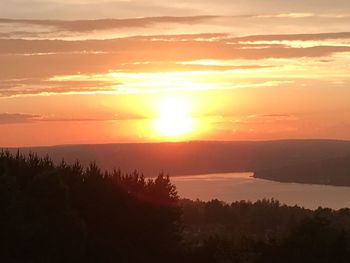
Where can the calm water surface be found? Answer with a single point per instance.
(231, 187)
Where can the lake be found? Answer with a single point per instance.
(232, 187)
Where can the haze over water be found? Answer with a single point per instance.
(232, 187)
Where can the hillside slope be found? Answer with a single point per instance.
(334, 171)
(188, 158)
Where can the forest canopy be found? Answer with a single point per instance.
(71, 213)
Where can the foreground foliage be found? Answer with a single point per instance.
(68, 213)
(265, 231)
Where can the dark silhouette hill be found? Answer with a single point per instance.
(186, 158)
(335, 171)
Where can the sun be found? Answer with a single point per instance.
(174, 119)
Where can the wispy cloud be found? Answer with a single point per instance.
(105, 24)
(302, 37)
(252, 122)
(16, 118)
(125, 65)
(287, 15)
(8, 118)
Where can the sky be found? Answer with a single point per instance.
(82, 71)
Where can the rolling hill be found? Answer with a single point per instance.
(285, 160)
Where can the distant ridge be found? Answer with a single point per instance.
(273, 160)
(333, 171)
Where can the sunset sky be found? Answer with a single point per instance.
(83, 71)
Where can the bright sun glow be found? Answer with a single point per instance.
(174, 119)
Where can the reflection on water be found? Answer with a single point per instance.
(242, 186)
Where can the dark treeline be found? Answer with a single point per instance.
(68, 213)
(264, 231)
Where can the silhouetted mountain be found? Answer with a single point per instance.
(188, 158)
(334, 171)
